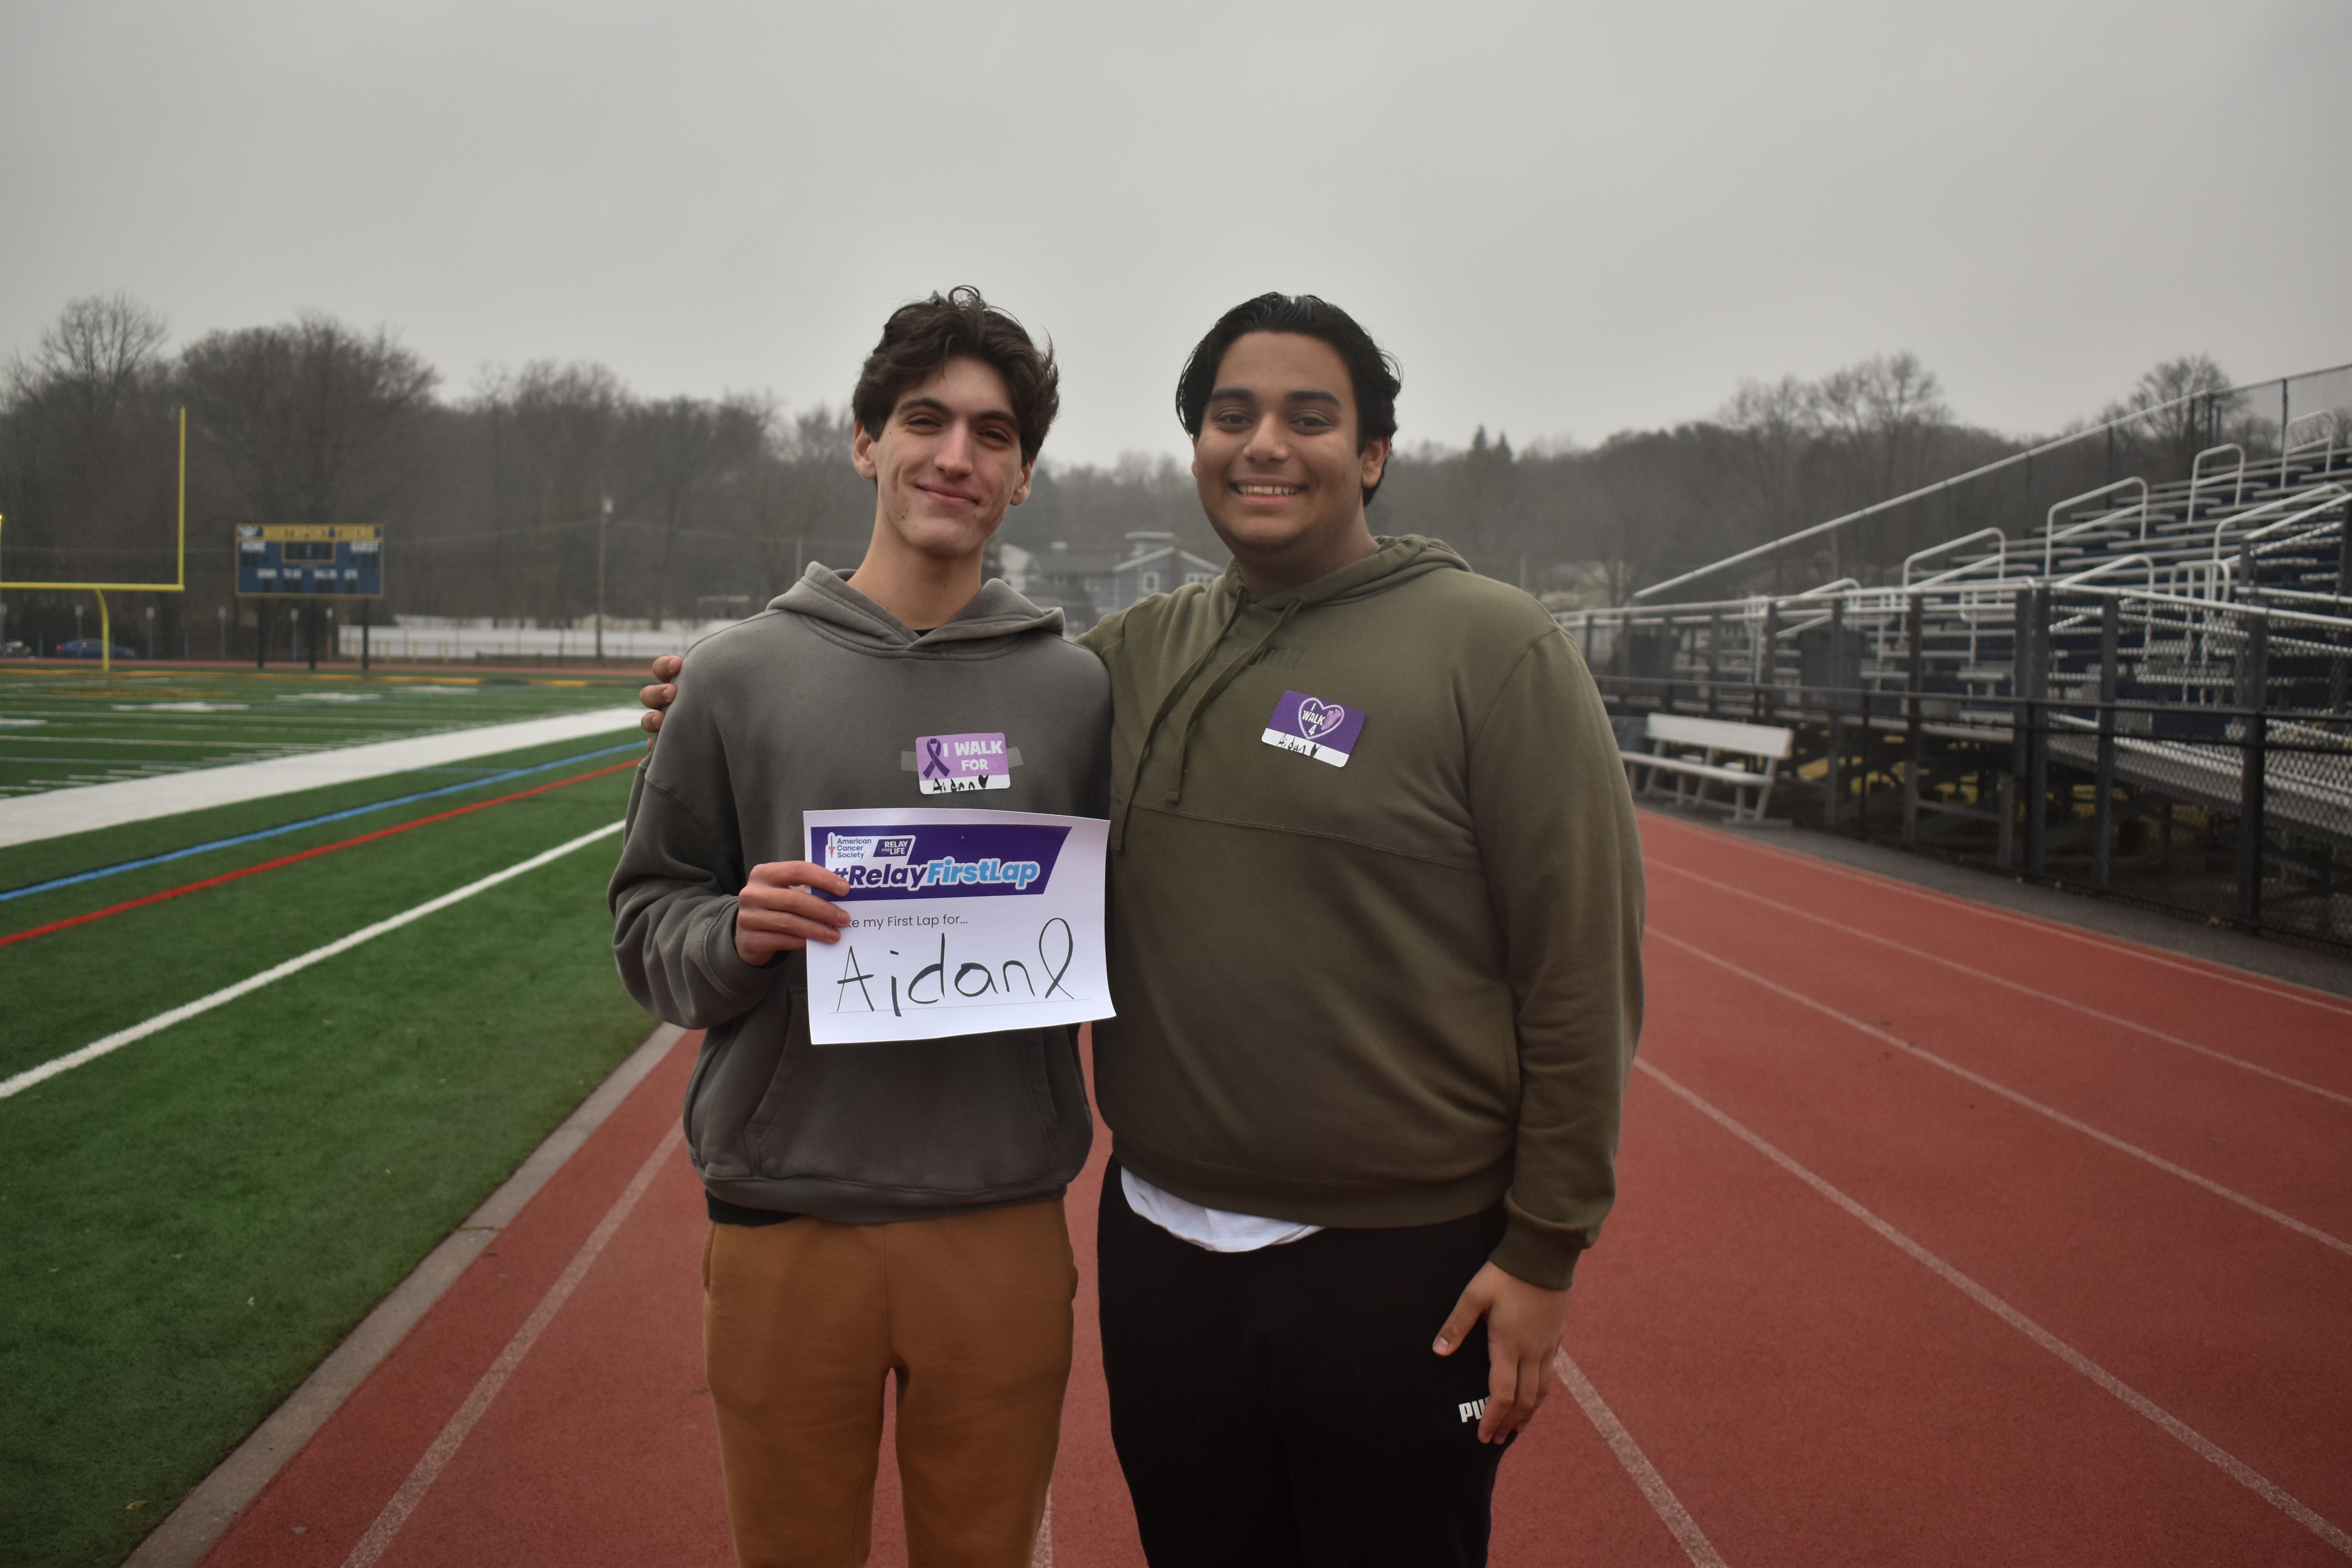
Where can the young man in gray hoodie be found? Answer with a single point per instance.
(893, 1208)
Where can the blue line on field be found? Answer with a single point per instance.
(57, 882)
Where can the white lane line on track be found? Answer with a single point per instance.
(2019, 986)
(436, 1458)
(2060, 1117)
(1661, 1500)
(2204, 1447)
(49, 1069)
(2282, 991)
(1041, 1555)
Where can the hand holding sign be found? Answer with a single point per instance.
(776, 913)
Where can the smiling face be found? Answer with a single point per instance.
(1277, 462)
(945, 465)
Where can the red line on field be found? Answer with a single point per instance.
(184, 888)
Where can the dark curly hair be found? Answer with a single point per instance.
(1371, 374)
(920, 337)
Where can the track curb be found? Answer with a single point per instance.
(190, 1530)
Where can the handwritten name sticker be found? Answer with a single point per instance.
(953, 765)
(1313, 728)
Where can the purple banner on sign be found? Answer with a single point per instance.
(1329, 729)
(941, 862)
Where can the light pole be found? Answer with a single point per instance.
(76, 623)
(150, 634)
(603, 521)
(220, 614)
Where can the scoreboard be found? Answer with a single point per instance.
(279, 560)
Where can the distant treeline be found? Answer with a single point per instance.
(502, 502)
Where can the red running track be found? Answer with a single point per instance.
(1948, 1235)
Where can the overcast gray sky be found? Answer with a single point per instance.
(1565, 219)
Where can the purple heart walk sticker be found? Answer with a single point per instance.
(1313, 727)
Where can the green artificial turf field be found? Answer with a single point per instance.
(61, 727)
(189, 1224)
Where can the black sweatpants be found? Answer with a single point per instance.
(1282, 1407)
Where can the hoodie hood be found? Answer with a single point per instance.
(1398, 560)
(825, 596)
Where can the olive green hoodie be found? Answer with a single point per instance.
(1389, 990)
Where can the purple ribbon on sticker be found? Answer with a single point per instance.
(952, 764)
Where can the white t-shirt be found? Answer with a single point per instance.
(1218, 1230)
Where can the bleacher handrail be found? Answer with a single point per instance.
(2002, 554)
(2331, 497)
(2113, 563)
(2196, 476)
(2289, 446)
(1757, 552)
(2050, 533)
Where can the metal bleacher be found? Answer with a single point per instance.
(2142, 688)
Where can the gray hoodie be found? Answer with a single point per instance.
(815, 704)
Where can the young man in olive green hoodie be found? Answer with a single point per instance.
(1377, 905)
(1376, 919)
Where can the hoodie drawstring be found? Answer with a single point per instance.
(1135, 778)
(1224, 679)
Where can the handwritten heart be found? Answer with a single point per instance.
(1315, 718)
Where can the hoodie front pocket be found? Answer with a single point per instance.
(953, 1118)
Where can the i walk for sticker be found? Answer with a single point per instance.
(1313, 727)
(952, 764)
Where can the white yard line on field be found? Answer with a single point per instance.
(29, 817)
(121, 1037)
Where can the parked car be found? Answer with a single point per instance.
(91, 648)
(12, 649)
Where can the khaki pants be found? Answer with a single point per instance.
(800, 1323)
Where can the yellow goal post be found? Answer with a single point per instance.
(179, 585)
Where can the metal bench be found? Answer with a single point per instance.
(1760, 748)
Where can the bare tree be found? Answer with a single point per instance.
(305, 418)
(2178, 397)
(673, 453)
(1778, 422)
(94, 359)
(1889, 410)
(85, 452)
(552, 431)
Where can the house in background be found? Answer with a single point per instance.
(1089, 585)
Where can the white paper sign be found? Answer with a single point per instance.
(964, 922)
